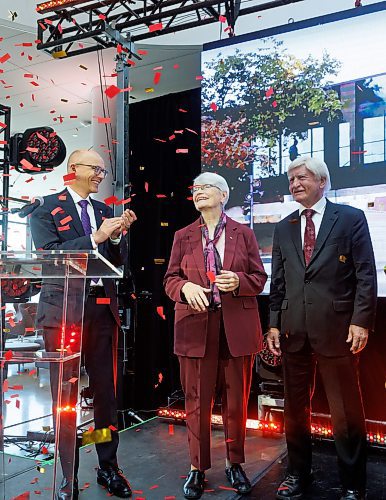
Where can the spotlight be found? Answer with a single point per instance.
(37, 150)
(53, 5)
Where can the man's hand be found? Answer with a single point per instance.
(273, 341)
(108, 229)
(227, 281)
(358, 336)
(127, 219)
(195, 296)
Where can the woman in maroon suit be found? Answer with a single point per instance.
(214, 275)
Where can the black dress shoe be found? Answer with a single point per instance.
(353, 495)
(194, 484)
(113, 479)
(293, 487)
(238, 479)
(68, 490)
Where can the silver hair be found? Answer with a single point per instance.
(314, 165)
(215, 180)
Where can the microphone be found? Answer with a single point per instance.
(28, 209)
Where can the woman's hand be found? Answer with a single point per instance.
(227, 281)
(195, 296)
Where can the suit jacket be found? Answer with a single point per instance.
(46, 236)
(336, 289)
(239, 309)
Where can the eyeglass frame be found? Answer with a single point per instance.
(97, 169)
(203, 187)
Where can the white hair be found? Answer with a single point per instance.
(314, 165)
(215, 180)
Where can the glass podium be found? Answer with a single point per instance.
(42, 296)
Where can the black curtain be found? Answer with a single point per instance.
(160, 178)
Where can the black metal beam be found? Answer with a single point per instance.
(70, 25)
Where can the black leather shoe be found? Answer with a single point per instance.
(194, 484)
(68, 490)
(353, 495)
(293, 487)
(238, 479)
(113, 479)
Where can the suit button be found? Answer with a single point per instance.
(307, 282)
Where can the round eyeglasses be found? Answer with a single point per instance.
(97, 169)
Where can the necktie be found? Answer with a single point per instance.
(309, 235)
(84, 217)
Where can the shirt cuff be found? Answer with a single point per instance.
(116, 241)
(94, 245)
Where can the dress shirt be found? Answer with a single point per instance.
(319, 208)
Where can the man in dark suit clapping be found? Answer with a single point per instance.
(91, 226)
(322, 306)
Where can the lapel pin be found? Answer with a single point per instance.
(342, 258)
(293, 221)
(230, 237)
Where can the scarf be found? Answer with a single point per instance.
(211, 255)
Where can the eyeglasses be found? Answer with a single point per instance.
(97, 169)
(204, 187)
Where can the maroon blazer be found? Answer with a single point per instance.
(239, 308)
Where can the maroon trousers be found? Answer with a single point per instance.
(217, 373)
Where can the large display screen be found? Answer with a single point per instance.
(312, 88)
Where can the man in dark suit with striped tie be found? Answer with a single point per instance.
(91, 226)
(322, 307)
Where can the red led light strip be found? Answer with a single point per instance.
(53, 5)
(317, 430)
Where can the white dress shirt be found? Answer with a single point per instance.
(319, 207)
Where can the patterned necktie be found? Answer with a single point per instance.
(309, 235)
(84, 217)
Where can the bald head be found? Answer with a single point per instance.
(84, 156)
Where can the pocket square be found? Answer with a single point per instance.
(342, 258)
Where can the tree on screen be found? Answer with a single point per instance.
(268, 94)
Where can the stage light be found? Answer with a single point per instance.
(54, 5)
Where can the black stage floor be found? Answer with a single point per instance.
(155, 459)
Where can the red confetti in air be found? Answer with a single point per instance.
(112, 428)
(103, 119)
(213, 106)
(274, 104)
(111, 200)
(222, 19)
(171, 430)
(3, 125)
(142, 52)
(8, 355)
(112, 91)
(211, 276)
(64, 228)
(103, 300)
(69, 177)
(56, 210)
(64, 221)
(161, 196)
(155, 486)
(182, 151)
(44, 450)
(160, 312)
(155, 27)
(32, 372)
(146, 187)
(4, 58)
(157, 77)
(269, 92)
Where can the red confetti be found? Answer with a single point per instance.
(103, 300)
(8, 355)
(63, 228)
(73, 380)
(222, 19)
(69, 177)
(171, 430)
(157, 77)
(161, 196)
(4, 58)
(160, 312)
(111, 200)
(211, 276)
(66, 220)
(274, 104)
(44, 450)
(112, 428)
(155, 486)
(182, 151)
(112, 91)
(103, 119)
(42, 138)
(155, 27)
(213, 106)
(56, 210)
(269, 92)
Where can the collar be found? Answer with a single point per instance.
(75, 196)
(319, 206)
